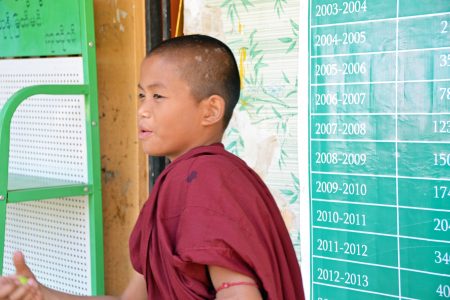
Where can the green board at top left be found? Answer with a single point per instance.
(39, 28)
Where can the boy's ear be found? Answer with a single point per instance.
(213, 110)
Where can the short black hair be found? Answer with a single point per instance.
(209, 67)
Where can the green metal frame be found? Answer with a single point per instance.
(39, 190)
(93, 142)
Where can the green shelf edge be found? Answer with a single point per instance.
(33, 194)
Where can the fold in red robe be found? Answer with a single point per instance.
(209, 208)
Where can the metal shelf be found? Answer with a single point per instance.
(23, 188)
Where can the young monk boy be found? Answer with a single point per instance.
(210, 229)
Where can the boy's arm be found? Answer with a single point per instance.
(245, 287)
(12, 288)
(136, 290)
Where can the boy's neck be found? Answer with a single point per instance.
(205, 141)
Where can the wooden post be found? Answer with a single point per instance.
(120, 35)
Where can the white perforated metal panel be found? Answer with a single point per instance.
(47, 132)
(48, 139)
(54, 235)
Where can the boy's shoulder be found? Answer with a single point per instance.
(210, 166)
(221, 162)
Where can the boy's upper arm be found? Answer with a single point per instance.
(221, 275)
(136, 289)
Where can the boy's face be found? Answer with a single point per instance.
(168, 115)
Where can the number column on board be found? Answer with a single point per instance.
(424, 148)
(353, 163)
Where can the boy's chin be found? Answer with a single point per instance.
(153, 152)
(148, 150)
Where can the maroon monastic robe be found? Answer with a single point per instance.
(209, 208)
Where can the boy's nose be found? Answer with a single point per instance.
(144, 110)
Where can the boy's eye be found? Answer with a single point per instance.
(157, 96)
(141, 96)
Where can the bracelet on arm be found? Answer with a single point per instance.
(226, 285)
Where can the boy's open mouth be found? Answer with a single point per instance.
(143, 133)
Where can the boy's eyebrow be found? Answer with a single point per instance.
(152, 85)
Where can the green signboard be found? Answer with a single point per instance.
(39, 28)
(379, 169)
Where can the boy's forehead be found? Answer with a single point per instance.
(188, 56)
(175, 60)
(178, 63)
(160, 64)
(159, 71)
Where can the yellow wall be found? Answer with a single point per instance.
(120, 34)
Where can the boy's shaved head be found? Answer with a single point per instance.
(208, 65)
